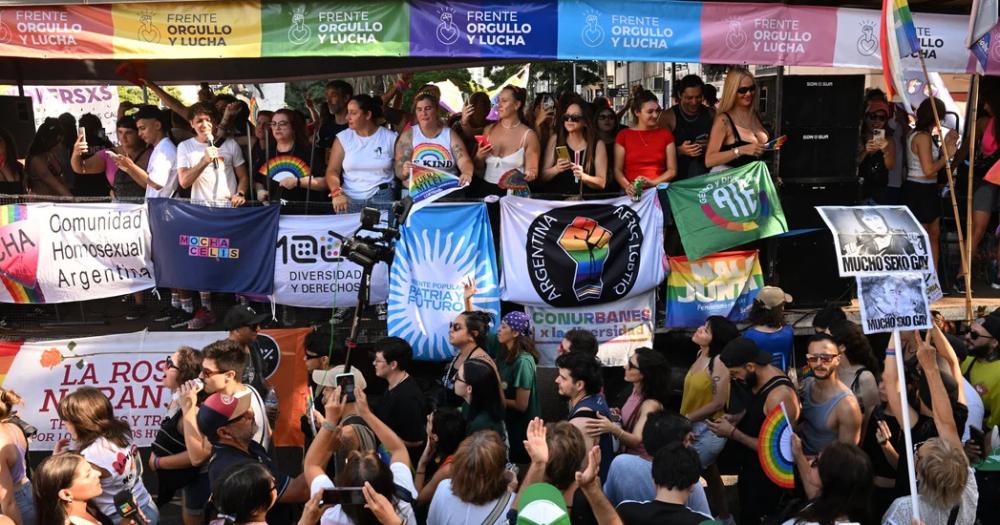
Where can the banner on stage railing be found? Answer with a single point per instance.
(620, 327)
(893, 302)
(563, 254)
(722, 284)
(214, 249)
(633, 30)
(876, 240)
(440, 248)
(718, 211)
(309, 269)
(318, 28)
(57, 253)
(487, 29)
(218, 29)
(128, 368)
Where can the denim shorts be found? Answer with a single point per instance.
(707, 444)
(25, 504)
(382, 200)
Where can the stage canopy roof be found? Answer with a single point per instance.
(78, 41)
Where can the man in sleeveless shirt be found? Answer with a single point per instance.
(771, 388)
(690, 121)
(579, 381)
(830, 412)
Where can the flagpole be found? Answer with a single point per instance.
(312, 159)
(971, 125)
(951, 181)
(253, 194)
(907, 434)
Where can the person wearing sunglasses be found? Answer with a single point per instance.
(876, 152)
(830, 412)
(982, 367)
(575, 160)
(738, 136)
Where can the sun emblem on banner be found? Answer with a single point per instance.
(147, 31)
(299, 32)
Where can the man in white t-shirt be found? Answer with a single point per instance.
(216, 175)
(160, 176)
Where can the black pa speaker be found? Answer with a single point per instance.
(19, 121)
(806, 269)
(832, 101)
(799, 198)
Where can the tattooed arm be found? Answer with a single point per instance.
(404, 153)
(462, 158)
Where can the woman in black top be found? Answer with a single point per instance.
(574, 157)
(738, 136)
(607, 128)
(89, 170)
(303, 183)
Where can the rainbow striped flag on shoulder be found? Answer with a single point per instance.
(898, 40)
(428, 185)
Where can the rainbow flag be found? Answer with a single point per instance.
(981, 23)
(254, 109)
(20, 262)
(898, 39)
(774, 448)
(428, 185)
(720, 284)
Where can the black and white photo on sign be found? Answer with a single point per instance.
(893, 302)
(874, 240)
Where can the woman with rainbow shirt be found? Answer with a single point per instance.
(285, 174)
(431, 144)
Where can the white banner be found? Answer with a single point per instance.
(942, 40)
(128, 368)
(876, 240)
(309, 270)
(620, 327)
(893, 302)
(566, 254)
(52, 101)
(57, 253)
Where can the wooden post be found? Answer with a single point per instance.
(971, 124)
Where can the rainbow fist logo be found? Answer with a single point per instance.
(588, 244)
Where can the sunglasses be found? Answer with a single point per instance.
(877, 117)
(630, 365)
(745, 90)
(824, 358)
(208, 372)
(572, 118)
(168, 364)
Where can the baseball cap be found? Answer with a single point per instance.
(242, 315)
(741, 351)
(328, 377)
(772, 296)
(542, 504)
(219, 409)
(992, 325)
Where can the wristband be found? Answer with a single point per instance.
(328, 426)
(336, 191)
(156, 462)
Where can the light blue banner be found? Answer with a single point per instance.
(440, 247)
(632, 30)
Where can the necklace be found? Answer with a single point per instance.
(505, 126)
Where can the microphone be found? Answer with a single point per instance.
(125, 505)
(211, 143)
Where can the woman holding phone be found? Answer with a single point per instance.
(876, 152)
(574, 157)
(508, 145)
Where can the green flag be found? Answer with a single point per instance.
(718, 211)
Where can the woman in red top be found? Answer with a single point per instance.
(644, 151)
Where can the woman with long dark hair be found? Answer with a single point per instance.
(243, 495)
(649, 373)
(477, 384)
(876, 151)
(986, 199)
(574, 157)
(445, 431)
(839, 486)
(858, 369)
(106, 442)
(42, 161)
(508, 145)
(518, 364)
(65, 486)
(88, 166)
(470, 335)
(607, 127)
(768, 328)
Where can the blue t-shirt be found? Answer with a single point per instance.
(779, 344)
(631, 479)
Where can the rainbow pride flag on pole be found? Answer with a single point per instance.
(898, 40)
(428, 185)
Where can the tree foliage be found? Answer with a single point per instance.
(558, 75)
(133, 94)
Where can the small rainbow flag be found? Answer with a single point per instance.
(515, 182)
(428, 185)
(283, 166)
(254, 109)
(898, 39)
(776, 144)
(774, 448)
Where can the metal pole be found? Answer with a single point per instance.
(970, 124)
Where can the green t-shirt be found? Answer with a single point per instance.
(985, 378)
(519, 374)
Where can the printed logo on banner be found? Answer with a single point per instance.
(569, 249)
(721, 284)
(868, 42)
(736, 37)
(299, 32)
(767, 33)
(447, 31)
(5, 33)
(592, 34)
(270, 354)
(201, 246)
(734, 199)
(464, 28)
(666, 30)
(147, 31)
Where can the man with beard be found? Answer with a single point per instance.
(338, 93)
(830, 411)
(690, 121)
(771, 388)
(982, 367)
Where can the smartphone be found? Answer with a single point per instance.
(343, 496)
(482, 141)
(562, 152)
(346, 384)
(878, 134)
(548, 103)
(978, 437)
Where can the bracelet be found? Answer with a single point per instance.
(731, 432)
(336, 191)
(421, 472)
(156, 462)
(326, 425)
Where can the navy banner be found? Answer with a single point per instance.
(213, 249)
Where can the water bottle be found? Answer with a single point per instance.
(271, 406)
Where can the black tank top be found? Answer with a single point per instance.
(694, 131)
(754, 418)
(742, 160)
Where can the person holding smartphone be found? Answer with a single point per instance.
(575, 159)
(690, 121)
(876, 152)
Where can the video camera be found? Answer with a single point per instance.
(367, 251)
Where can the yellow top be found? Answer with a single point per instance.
(698, 392)
(985, 378)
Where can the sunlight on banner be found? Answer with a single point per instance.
(722, 284)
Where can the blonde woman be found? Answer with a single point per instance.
(738, 136)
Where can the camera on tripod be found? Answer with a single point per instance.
(368, 250)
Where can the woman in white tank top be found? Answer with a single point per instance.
(430, 144)
(507, 145)
(360, 171)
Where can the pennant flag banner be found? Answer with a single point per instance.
(721, 210)
(309, 270)
(214, 249)
(722, 284)
(57, 253)
(441, 247)
(428, 185)
(620, 327)
(567, 255)
(128, 368)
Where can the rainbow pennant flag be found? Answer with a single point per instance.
(284, 166)
(428, 185)
(774, 448)
(254, 109)
(898, 39)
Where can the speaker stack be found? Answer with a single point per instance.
(19, 121)
(821, 116)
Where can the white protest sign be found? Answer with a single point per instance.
(893, 302)
(876, 240)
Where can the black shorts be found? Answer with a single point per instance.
(985, 198)
(923, 200)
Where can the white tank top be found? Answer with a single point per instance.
(914, 171)
(367, 162)
(434, 152)
(497, 166)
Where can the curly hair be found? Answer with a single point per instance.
(857, 348)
